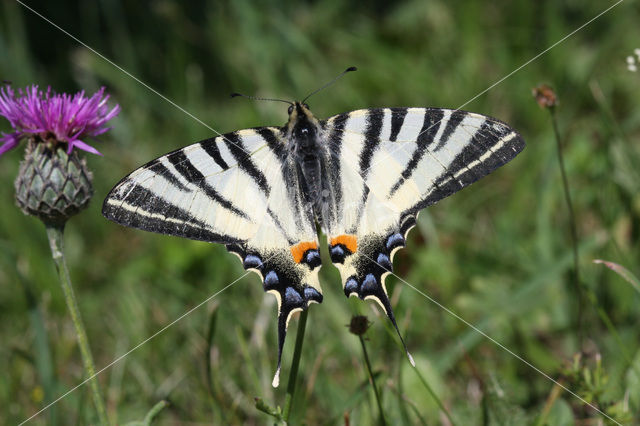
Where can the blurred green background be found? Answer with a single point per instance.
(498, 254)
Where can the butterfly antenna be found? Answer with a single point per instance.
(330, 83)
(256, 98)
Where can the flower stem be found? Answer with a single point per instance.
(572, 224)
(435, 397)
(583, 291)
(43, 361)
(55, 235)
(295, 363)
(373, 381)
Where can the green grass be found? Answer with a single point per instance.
(498, 254)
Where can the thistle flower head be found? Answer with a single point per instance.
(53, 182)
(54, 118)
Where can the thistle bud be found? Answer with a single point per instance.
(52, 184)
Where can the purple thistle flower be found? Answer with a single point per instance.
(52, 117)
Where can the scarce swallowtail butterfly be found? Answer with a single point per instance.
(361, 176)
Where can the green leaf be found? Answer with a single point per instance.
(155, 410)
(622, 271)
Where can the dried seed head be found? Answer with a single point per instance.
(545, 96)
(52, 184)
(359, 325)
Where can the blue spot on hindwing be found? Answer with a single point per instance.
(395, 240)
(337, 254)
(370, 284)
(311, 293)
(312, 258)
(312, 254)
(351, 286)
(292, 296)
(252, 261)
(384, 261)
(271, 280)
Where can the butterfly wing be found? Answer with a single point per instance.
(241, 190)
(388, 164)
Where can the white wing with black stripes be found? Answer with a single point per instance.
(239, 189)
(387, 165)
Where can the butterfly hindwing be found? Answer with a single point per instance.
(291, 275)
(392, 162)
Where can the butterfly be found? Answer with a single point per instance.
(360, 177)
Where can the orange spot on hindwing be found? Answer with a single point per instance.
(349, 241)
(300, 249)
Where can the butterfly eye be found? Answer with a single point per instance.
(306, 106)
(290, 109)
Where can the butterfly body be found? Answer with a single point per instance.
(362, 176)
(306, 139)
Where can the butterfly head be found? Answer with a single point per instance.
(303, 129)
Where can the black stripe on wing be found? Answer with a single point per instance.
(273, 138)
(371, 140)
(185, 167)
(336, 129)
(452, 123)
(143, 209)
(490, 147)
(371, 145)
(397, 119)
(245, 162)
(274, 142)
(210, 146)
(163, 171)
(335, 132)
(430, 125)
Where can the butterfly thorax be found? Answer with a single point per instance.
(304, 136)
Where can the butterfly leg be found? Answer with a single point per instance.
(291, 276)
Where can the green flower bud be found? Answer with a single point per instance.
(52, 184)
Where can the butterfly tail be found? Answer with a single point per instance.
(291, 276)
(364, 264)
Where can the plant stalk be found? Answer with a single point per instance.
(295, 363)
(43, 360)
(55, 235)
(443, 409)
(373, 381)
(572, 225)
(548, 405)
(583, 291)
